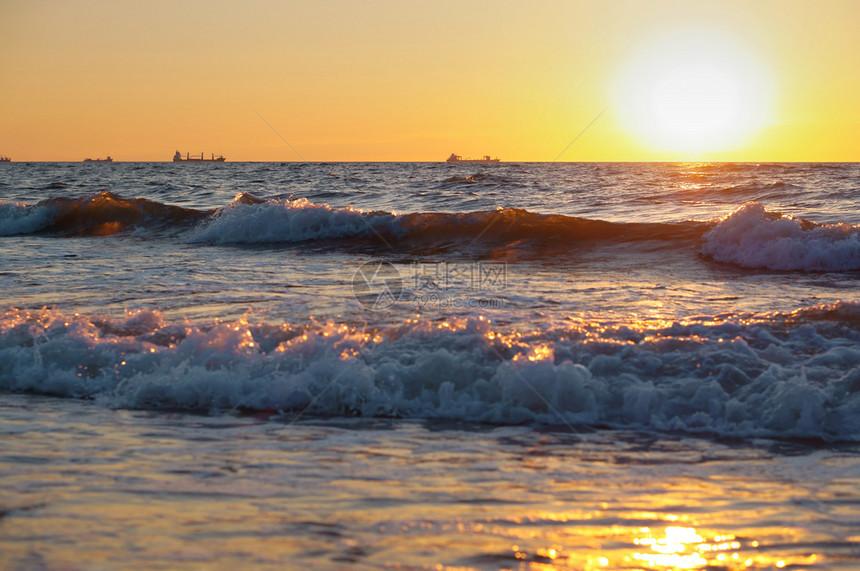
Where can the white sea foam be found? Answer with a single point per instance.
(286, 221)
(22, 219)
(736, 378)
(754, 238)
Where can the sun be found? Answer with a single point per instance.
(692, 92)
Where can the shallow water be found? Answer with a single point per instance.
(511, 365)
(96, 488)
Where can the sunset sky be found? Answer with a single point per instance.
(405, 81)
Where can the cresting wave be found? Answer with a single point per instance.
(251, 220)
(750, 237)
(101, 214)
(754, 238)
(504, 232)
(791, 375)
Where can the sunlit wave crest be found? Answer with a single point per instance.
(727, 375)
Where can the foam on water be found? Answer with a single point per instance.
(749, 237)
(98, 214)
(22, 219)
(251, 221)
(754, 238)
(795, 375)
(610, 313)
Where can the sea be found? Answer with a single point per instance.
(429, 365)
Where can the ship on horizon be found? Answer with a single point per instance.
(105, 160)
(5, 159)
(455, 158)
(178, 158)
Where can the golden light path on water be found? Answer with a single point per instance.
(182, 490)
(251, 488)
(676, 547)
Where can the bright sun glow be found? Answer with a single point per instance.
(691, 92)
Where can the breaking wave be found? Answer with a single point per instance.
(22, 219)
(750, 237)
(754, 238)
(101, 214)
(253, 221)
(791, 375)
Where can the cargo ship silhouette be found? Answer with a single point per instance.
(177, 158)
(454, 158)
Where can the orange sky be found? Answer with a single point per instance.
(393, 80)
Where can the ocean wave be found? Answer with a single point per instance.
(754, 189)
(18, 219)
(793, 375)
(752, 237)
(100, 214)
(844, 312)
(480, 179)
(253, 221)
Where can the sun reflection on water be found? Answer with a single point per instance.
(671, 549)
(680, 547)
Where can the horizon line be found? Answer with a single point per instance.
(319, 161)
